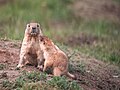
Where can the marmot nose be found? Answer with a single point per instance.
(33, 27)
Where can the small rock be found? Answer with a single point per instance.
(115, 76)
(4, 74)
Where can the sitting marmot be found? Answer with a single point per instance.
(54, 58)
(30, 50)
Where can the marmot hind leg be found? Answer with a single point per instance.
(57, 71)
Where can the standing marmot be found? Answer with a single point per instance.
(30, 50)
(54, 58)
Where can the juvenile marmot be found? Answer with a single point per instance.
(54, 58)
(30, 50)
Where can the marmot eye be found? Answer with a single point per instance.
(37, 25)
(28, 25)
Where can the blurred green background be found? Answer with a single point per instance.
(89, 26)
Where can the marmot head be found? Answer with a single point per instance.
(46, 43)
(33, 29)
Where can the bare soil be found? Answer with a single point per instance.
(96, 76)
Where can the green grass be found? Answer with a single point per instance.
(63, 84)
(2, 66)
(15, 16)
(106, 47)
(56, 83)
(35, 76)
(117, 1)
(38, 81)
(38, 86)
(6, 83)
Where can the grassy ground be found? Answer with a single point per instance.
(29, 81)
(90, 73)
(101, 40)
(96, 38)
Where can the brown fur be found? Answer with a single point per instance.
(30, 50)
(54, 58)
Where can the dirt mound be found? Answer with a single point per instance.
(97, 9)
(9, 57)
(91, 74)
(94, 74)
(9, 51)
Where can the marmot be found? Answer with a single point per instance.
(30, 50)
(54, 58)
